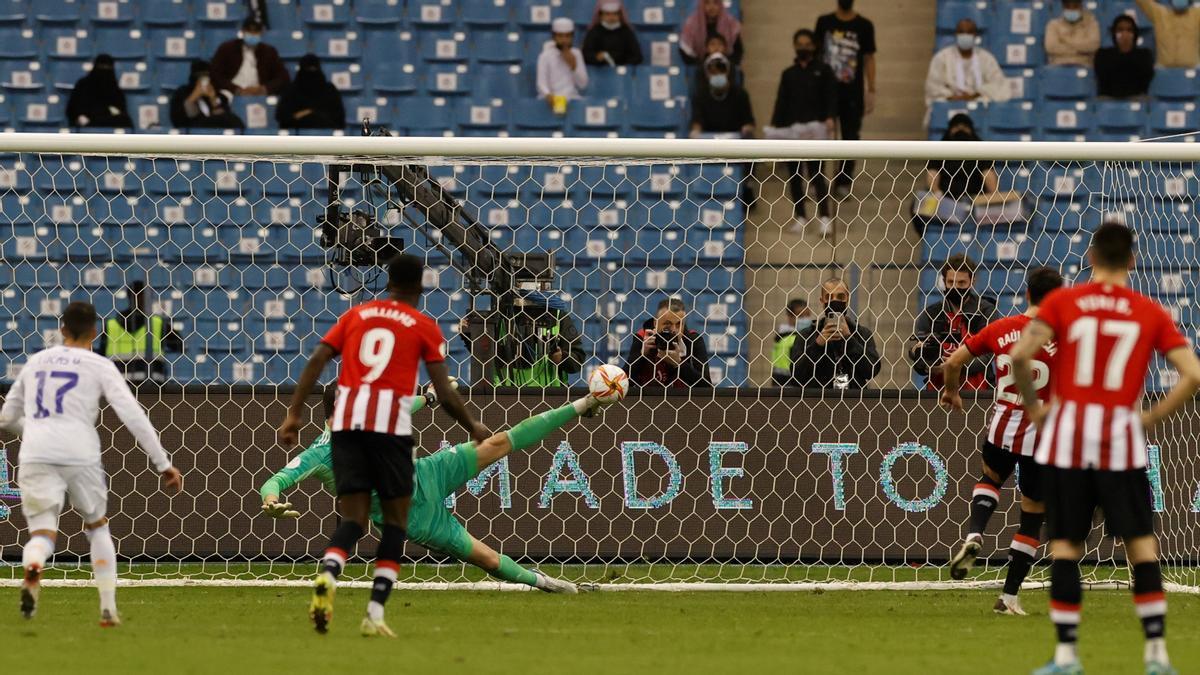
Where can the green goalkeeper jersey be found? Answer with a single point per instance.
(315, 462)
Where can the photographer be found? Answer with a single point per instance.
(942, 326)
(539, 347)
(666, 353)
(835, 352)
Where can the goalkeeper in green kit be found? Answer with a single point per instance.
(438, 476)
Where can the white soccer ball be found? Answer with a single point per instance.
(608, 384)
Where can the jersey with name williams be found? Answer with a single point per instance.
(382, 344)
(1010, 428)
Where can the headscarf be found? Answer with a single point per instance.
(309, 73)
(961, 119)
(694, 34)
(1125, 18)
(133, 317)
(600, 5)
(99, 89)
(198, 66)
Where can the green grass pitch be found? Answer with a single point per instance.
(265, 630)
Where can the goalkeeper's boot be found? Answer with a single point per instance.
(320, 610)
(1158, 668)
(551, 585)
(962, 561)
(1009, 605)
(30, 588)
(1054, 669)
(372, 628)
(109, 618)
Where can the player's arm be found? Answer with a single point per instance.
(12, 415)
(134, 417)
(952, 377)
(448, 396)
(289, 430)
(1188, 366)
(305, 465)
(1035, 336)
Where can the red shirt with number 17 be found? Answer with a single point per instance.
(1106, 337)
(382, 344)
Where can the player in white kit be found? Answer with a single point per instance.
(53, 405)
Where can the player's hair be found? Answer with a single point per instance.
(796, 304)
(329, 400)
(1040, 281)
(1112, 245)
(959, 262)
(405, 273)
(78, 318)
(674, 304)
(804, 31)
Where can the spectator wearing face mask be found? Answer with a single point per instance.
(796, 318)
(943, 326)
(311, 101)
(1124, 70)
(610, 39)
(835, 351)
(1073, 37)
(198, 104)
(965, 72)
(1176, 32)
(560, 68)
(807, 94)
(246, 66)
(710, 18)
(721, 106)
(96, 100)
(847, 43)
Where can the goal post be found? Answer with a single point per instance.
(248, 244)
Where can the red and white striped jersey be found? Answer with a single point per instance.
(382, 344)
(1010, 429)
(1106, 337)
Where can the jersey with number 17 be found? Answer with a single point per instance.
(1106, 337)
(382, 344)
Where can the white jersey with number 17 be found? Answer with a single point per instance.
(54, 403)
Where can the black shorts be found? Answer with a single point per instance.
(1073, 495)
(1029, 477)
(365, 460)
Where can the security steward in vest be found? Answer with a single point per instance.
(135, 339)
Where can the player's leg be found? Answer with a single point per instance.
(88, 490)
(353, 476)
(1023, 549)
(43, 493)
(1070, 502)
(391, 458)
(530, 432)
(505, 568)
(998, 465)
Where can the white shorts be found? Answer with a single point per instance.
(45, 488)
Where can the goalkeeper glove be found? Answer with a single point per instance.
(430, 393)
(280, 510)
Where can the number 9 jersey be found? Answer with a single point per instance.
(1010, 429)
(382, 344)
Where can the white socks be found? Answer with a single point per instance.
(37, 551)
(104, 566)
(375, 611)
(1156, 651)
(1065, 654)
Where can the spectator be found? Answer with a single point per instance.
(540, 348)
(961, 179)
(835, 352)
(135, 339)
(560, 70)
(198, 104)
(96, 100)
(1176, 32)
(721, 106)
(964, 72)
(943, 326)
(610, 39)
(665, 352)
(1073, 37)
(710, 18)
(807, 94)
(847, 40)
(1124, 70)
(798, 317)
(246, 66)
(310, 101)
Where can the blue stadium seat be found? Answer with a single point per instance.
(939, 244)
(1173, 118)
(486, 13)
(942, 111)
(587, 117)
(536, 15)
(420, 113)
(447, 79)
(379, 13)
(64, 74)
(653, 83)
(1064, 182)
(172, 74)
(323, 14)
(149, 112)
(659, 180)
(1067, 83)
(1018, 51)
(656, 119)
(1023, 83)
(17, 42)
(291, 45)
(389, 46)
(337, 45)
(1155, 279)
(57, 11)
(13, 11)
(491, 46)
(41, 111)
(717, 246)
(257, 112)
(601, 184)
(110, 12)
(654, 15)
(445, 47)
(950, 12)
(1064, 120)
(717, 181)
(120, 42)
(503, 81)
(348, 78)
(67, 43)
(430, 13)
(1121, 116)
(1019, 19)
(377, 109)
(394, 78)
(1175, 84)
(533, 117)
(165, 12)
(134, 77)
(1010, 117)
(658, 248)
(1004, 246)
(226, 14)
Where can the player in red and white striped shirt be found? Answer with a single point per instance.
(1010, 442)
(382, 344)
(1092, 438)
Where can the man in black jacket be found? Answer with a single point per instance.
(666, 353)
(943, 326)
(807, 93)
(836, 352)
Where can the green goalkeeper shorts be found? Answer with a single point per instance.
(438, 476)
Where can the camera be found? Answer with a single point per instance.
(663, 339)
(358, 240)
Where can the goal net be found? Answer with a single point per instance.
(553, 255)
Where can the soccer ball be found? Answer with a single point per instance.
(608, 384)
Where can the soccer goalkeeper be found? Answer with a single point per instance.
(439, 475)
